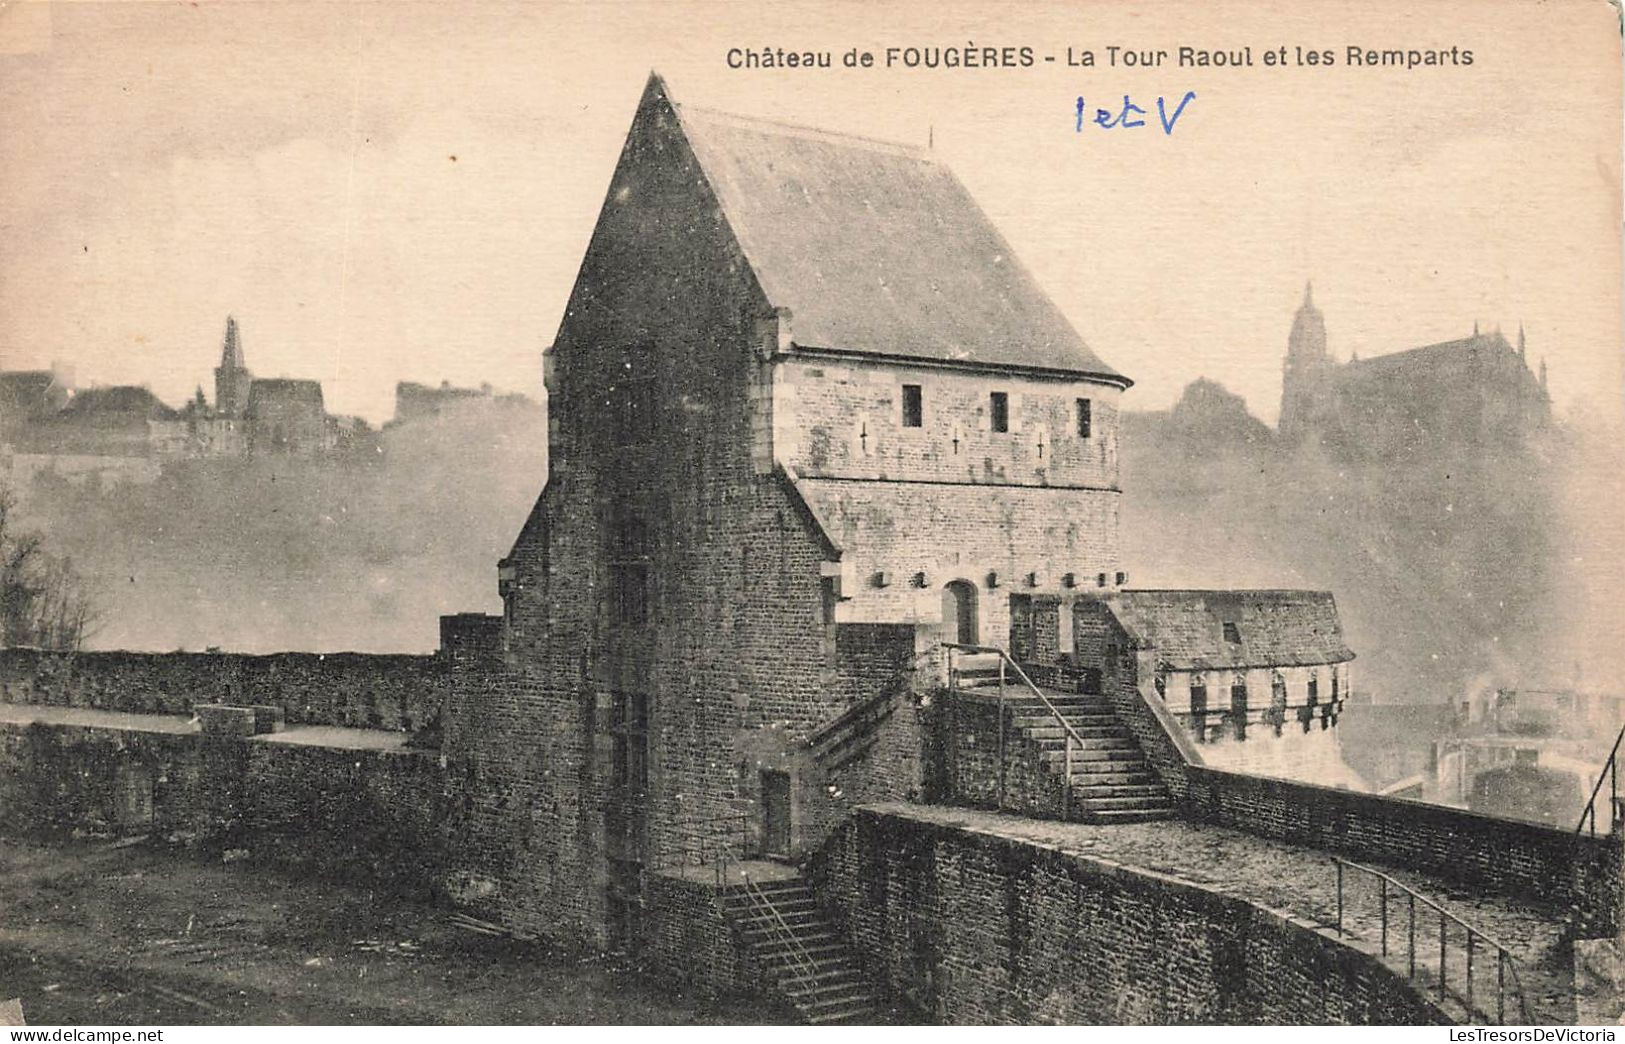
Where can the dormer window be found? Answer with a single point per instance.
(913, 406)
(1232, 633)
(998, 411)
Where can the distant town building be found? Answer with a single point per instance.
(1466, 392)
(125, 433)
(419, 402)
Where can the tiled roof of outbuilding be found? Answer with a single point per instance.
(1186, 629)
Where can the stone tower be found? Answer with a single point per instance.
(231, 377)
(1307, 370)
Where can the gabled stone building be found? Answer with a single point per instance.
(1466, 392)
(809, 420)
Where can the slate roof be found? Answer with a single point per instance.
(1186, 629)
(878, 249)
(118, 399)
(1462, 348)
(285, 390)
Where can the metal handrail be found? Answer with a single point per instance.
(1005, 660)
(1504, 960)
(797, 951)
(1610, 768)
(695, 842)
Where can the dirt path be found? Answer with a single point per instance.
(96, 934)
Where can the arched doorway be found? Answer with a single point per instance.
(959, 612)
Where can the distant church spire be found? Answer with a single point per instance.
(1305, 369)
(231, 352)
(231, 377)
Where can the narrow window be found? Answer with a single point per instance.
(913, 406)
(1238, 707)
(1085, 418)
(1277, 716)
(630, 569)
(1199, 708)
(999, 411)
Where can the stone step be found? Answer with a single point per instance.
(1090, 743)
(838, 1006)
(1091, 791)
(829, 958)
(1018, 699)
(766, 929)
(847, 980)
(1117, 756)
(1058, 732)
(1077, 721)
(745, 908)
(782, 954)
(1112, 774)
(792, 919)
(1122, 815)
(1104, 804)
(854, 1014)
(793, 893)
(776, 945)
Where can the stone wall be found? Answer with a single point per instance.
(359, 690)
(1513, 858)
(687, 942)
(975, 929)
(969, 737)
(844, 418)
(386, 815)
(104, 781)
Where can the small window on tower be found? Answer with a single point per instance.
(1085, 418)
(1232, 633)
(913, 406)
(999, 411)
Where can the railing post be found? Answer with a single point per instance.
(1410, 942)
(1441, 954)
(1500, 987)
(1469, 969)
(1339, 864)
(1382, 884)
(1066, 795)
(1001, 733)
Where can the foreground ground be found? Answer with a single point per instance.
(95, 933)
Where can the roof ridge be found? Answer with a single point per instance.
(808, 131)
(1458, 342)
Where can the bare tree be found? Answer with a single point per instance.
(43, 600)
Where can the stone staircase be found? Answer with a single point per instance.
(801, 952)
(1111, 780)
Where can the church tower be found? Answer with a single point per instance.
(231, 377)
(1306, 373)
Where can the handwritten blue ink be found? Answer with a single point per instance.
(1105, 119)
(1162, 113)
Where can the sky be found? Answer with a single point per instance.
(389, 191)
